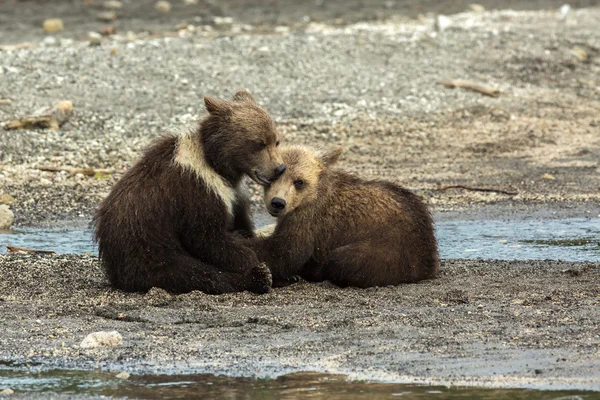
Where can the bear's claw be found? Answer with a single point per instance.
(262, 280)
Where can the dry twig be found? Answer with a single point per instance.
(476, 87)
(22, 250)
(74, 170)
(474, 189)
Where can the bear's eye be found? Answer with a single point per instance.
(277, 144)
(298, 184)
(260, 146)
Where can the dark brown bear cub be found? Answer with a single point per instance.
(170, 220)
(337, 227)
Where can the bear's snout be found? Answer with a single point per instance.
(278, 203)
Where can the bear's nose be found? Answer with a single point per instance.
(279, 170)
(278, 203)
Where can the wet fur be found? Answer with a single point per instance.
(169, 222)
(352, 232)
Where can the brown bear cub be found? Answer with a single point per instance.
(172, 220)
(337, 227)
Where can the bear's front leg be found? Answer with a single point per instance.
(285, 255)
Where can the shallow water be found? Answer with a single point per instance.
(293, 386)
(569, 239)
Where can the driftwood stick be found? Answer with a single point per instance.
(474, 189)
(474, 86)
(22, 250)
(74, 170)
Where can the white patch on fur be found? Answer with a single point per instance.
(189, 155)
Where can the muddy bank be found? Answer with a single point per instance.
(487, 323)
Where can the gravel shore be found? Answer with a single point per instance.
(370, 87)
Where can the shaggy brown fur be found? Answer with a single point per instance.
(335, 226)
(170, 221)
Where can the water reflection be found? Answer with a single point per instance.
(304, 385)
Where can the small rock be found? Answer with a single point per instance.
(130, 36)
(5, 102)
(53, 25)
(442, 23)
(162, 6)
(7, 392)
(580, 53)
(477, 8)
(223, 20)
(6, 217)
(113, 5)
(538, 371)
(95, 38)
(548, 177)
(503, 241)
(102, 339)
(282, 29)
(107, 30)
(564, 11)
(122, 375)
(6, 199)
(107, 16)
(190, 2)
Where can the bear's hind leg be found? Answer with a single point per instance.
(182, 274)
(367, 264)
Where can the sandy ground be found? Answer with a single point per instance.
(372, 87)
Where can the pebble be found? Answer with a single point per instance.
(223, 20)
(6, 199)
(548, 177)
(53, 25)
(102, 339)
(162, 7)
(477, 8)
(5, 102)
(95, 38)
(6, 217)
(113, 5)
(442, 23)
(564, 11)
(7, 392)
(107, 16)
(190, 2)
(122, 375)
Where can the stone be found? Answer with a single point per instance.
(107, 16)
(6, 199)
(102, 339)
(442, 23)
(548, 177)
(6, 217)
(122, 375)
(477, 8)
(53, 25)
(162, 6)
(7, 392)
(113, 5)
(95, 38)
(564, 11)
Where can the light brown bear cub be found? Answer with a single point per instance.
(335, 226)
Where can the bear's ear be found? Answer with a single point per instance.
(242, 95)
(217, 107)
(331, 156)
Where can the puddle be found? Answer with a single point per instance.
(569, 239)
(293, 386)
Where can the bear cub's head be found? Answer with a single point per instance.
(242, 136)
(298, 186)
